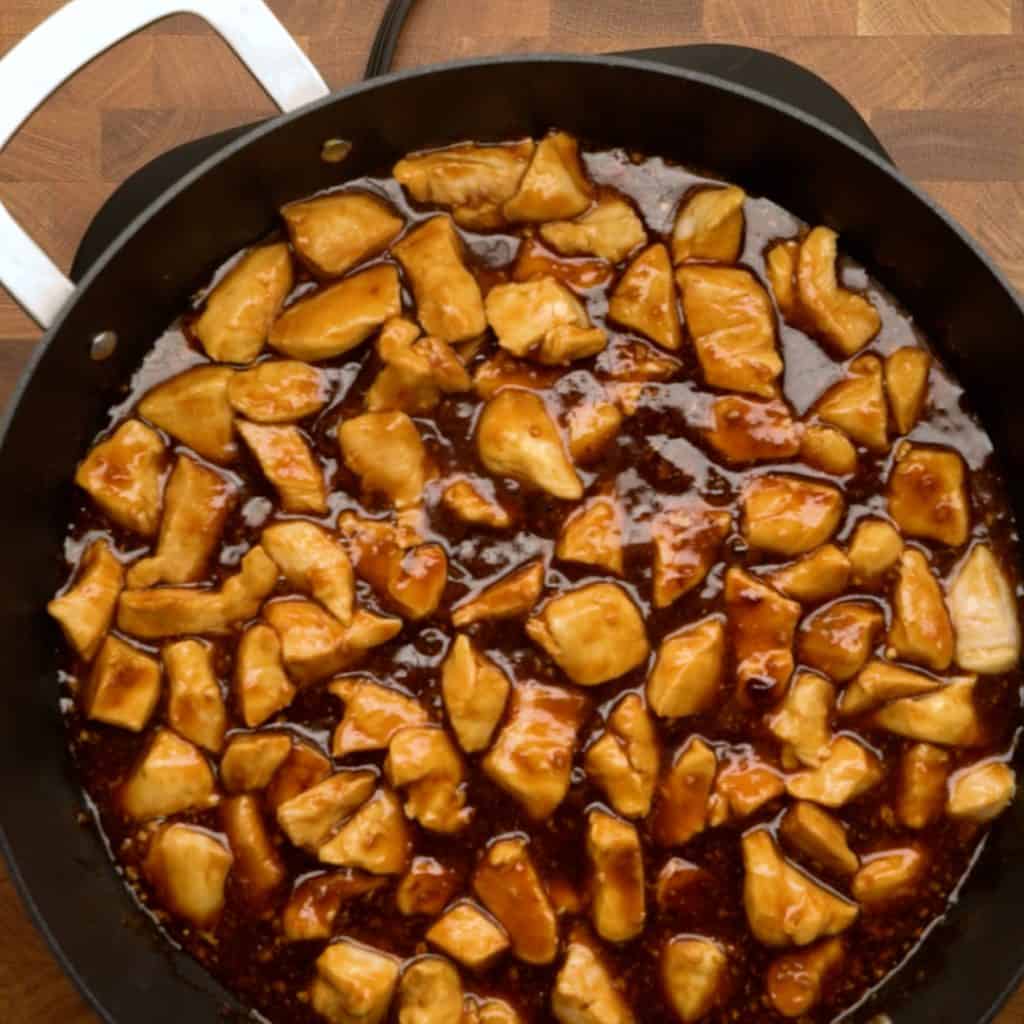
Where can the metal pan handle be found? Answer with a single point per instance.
(79, 32)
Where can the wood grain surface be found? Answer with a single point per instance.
(940, 81)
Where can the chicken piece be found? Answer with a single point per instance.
(288, 463)
(474, 181)
(592, 426)
(906, 380)
(123, 686)
(385, 450)
(333, 233)
(624, 760)
(682, 886)
(629, 359)
(303, 768)
(644, 300)
(474, 690)
(175, 611)
(856, 405)
(709, 226)
(469, 935)
(787, 515)
(802, 719)
(611, 230)
(874, 549)
(878, 683)
(488, 1011)
(681, 810)
(795, 981)
(86, 608)
(889, 877)
(373, 714)
(197, 502)
(928, 495)
(750, 431)
(687, 540)
(258, 868)
(848, 770)
(123, 474)
(744, 785)
(687, 673)
(315, 902)
(510, 597)
(594, 633)
(846, 320)
(374, 839)
(466, 500)
(426, 887)
(278, 391)
(920, 630)
(504, 371)
(984, 615)
(416, 374)
(786, 907)
(188, 869)
(780, 264)
(449, 305)
(313, 562)
(354, 984)
(508, 885)
(531, 759)
(261, 684)
(533, 260)
(816, 834)
(924, 773)
(981, 793)
(818, 576)
(729, 317)
(946, 716)
(554, 186)
(828, 449)
(423, 761)
(195, 708)
(584, 991)
(335, 319)
(172, 776)
(430, 992)
(193, 408)
(592, 535)
(693, 972)
(616, 860)
(762, 624)
(251, 760)
(310, 817)
(839, 638)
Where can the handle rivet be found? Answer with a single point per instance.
(335, 150)
(102, 345)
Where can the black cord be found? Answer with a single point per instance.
(382, 53)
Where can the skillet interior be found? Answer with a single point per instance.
(960, 300)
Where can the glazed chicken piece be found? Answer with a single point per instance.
(906, 380)
(624, 760)
(924, 774)
(258, 869)
(796, 981)
(787, 515)
(426, 887)
(123, 687)
(856, 405)
(122, 474)
(554, 186)
(488, 1011)
(504, 371)
(533, 259)
(920, 631)
(310, 818)
(86, 608)
(251, 760)
(475, 691)
(172, 776)
(531, 759)
(195, 706)
(928, 496)
(984, 615)
(687, 674)
(709, 226)
(817, 576)
(843, 774)
(616, 861)
(592, 426)
(188, 869)
(693, 971)
(946, 716)
(333, 233)
(238, 313)
(277, 391)
(374, 839)
(373, 714)
(744, 784)
(780, 264)
(592, 535)
(193, 408)
(687, 539)
(469, 935)
(584, 991)
(889, 877)
(632, 360)
(430, 992)
(839, 638)
(510, 597)
(354, 984)
(682, 885)
(197, 502)
(335, 319)
(261, 684)
(878, 683)
(469, 501)
(981, 793)
(385, 450)
(828, 449)
(303, 768)
(730, 319)
(817, 835)
(747, 431)
(423, 761)
(874, 550)
(644, 300)
(611, 230)
(802, 719)
(682, 807)
(289, 465)
(315, 902)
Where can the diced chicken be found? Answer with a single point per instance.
(846, 320)
(261, 684)
(839, 638)
(197, 502)
(796, 981)
(848, 770)
(188, 869)
(946, 716)
(354, 983)
(123, 686)
(554, 186)
(906, 380)
(681, 811)
(920, 630)
(611, 230)
(314, 903)
(313, 562)
(592, 426)
(235, 322)
(788, 515)
(584, 991)
(86, 608)
(687, 673)
(594, 633)
(928, 494)
(416, 374)
(616, 860)
(687, 540)
(373, 714)
(423, 761)
(426, 887)
(123, 474)
(385, 450)
(743, 785)
(374, 839)
(195, 708)
(924, 773)
(822, 574)
(278, 391)
(817, 835)
(644, 300)
(531, 759)
(982, 792)
(172, 776)
(466, 500)
(430, 992)
(730, 318)
(508, 885)
(802, 719)
(828, 449)
(693, 971)
(258, 868)
(709, 226)
(533, 259)
(629, 359)
(780, 263)
(874, 550)
(335, 319)
(984, 615)
(176, 611)
(879, 683)
(592, 535)
(286, 461)
(510, 597)
(746, 430)
(335, 232)
(469, 935)
(624, 760)
(504, 371)
(488, 1011)
(449, 305)
(888, 877)
(682, 886)
(786, 907)
(193, 408)
(309, 818)
(474, 690)
(856, 405)
(251, 760)
(303, 768)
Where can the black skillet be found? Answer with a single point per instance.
(970, 963)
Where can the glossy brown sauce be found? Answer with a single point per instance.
(659, 454)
